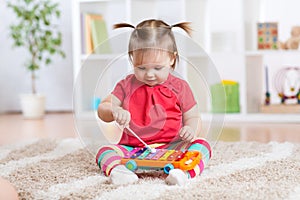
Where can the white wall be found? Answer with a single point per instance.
(54, 81)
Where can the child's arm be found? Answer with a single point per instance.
(110, 109)
(191, 124)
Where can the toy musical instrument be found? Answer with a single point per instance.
(142, 141)
(161, 159)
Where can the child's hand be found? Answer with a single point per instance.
(187, 133)
(121, 116)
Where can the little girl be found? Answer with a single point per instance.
(154, 103)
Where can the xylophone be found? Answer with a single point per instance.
(161, 159)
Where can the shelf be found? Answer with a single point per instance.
(228, 117)
(92, 1)
(263, 118)
(229, 56)
(272, 52)
(114, 56)
(101, 56)
(281, 108)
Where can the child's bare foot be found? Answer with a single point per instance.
(176, 177)
(120, 175)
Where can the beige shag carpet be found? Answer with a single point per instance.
(62, 169)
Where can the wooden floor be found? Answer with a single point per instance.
(14, 128)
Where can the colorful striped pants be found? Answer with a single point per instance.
(109, 156)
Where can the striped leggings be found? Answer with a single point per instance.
(109, 156)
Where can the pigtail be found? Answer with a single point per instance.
(186, 26)
(123, 25)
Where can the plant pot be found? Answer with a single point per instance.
(33, 106)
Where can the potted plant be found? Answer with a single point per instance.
(34, 29)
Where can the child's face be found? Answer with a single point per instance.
(153, 68)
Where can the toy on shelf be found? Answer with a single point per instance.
(230, 103)
(267, 35)
(268, 95)
(293, 41)
(161, 159)
(287, 83)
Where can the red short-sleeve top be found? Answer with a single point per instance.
(156, 111)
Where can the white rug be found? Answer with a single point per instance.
(50, 169)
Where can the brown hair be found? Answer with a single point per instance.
(154, 34)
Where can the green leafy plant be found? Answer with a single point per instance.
(35, 30)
